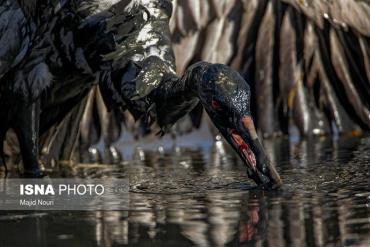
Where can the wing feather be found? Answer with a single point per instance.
(15, 36)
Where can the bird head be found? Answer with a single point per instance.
(226, 97)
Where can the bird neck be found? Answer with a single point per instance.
(177, 96)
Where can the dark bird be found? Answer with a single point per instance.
(54, 52)
(307, 62)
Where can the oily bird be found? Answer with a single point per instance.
(54, 52)
(307, 62)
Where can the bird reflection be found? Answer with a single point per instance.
(249, 229)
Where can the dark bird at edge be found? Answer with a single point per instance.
(53, 52)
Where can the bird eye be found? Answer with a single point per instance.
(215, 104)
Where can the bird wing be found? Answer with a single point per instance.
(15, 35)
(142, 36)
(18, 25)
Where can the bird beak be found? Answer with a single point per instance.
(245, 141)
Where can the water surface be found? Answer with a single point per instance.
(199, 195)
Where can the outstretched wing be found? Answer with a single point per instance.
(307, 59)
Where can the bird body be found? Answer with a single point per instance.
(79, 38)
(124, 47)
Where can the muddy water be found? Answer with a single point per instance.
(198, 195)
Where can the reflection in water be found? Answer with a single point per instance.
(185, 197)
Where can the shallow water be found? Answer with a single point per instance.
(200, 196)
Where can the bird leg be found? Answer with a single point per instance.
(26, 127)
(2, 155)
